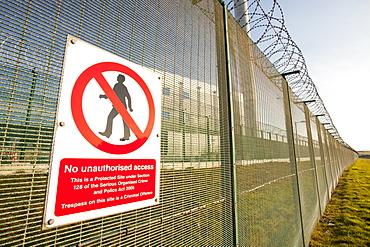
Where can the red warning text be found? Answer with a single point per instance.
(90, 184)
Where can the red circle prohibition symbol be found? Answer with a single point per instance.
(95, 71)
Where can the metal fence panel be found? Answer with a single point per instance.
(321, 176)
(267, 203)
(306, 168)
(230, 171)
(176, 39)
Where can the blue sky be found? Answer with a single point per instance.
(334, 37)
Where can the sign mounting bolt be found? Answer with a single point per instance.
(62, 124)
(51, 221)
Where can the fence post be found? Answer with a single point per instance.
(312, 152)
(330, 161)
(227, 142)
(336, 160)
(322, 155)
(234, 198)
(291, 146)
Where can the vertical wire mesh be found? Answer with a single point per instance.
(326, 160)
(226, 151)
(175, 39)
(184, 43)
(267, 202)
(306, 168)
(319, 164)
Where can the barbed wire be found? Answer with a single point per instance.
(265, 24)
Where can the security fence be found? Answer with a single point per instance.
(243, 160)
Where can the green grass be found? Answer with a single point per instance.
(346, 221)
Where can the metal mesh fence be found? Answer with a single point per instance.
(229, 174)
(306, 168)
(320, 172)
(267, 203)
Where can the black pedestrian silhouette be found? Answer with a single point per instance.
(123, 94)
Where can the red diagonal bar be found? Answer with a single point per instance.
(118, 105)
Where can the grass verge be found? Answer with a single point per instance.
(346, 221)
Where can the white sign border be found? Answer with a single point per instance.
(49, 219)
